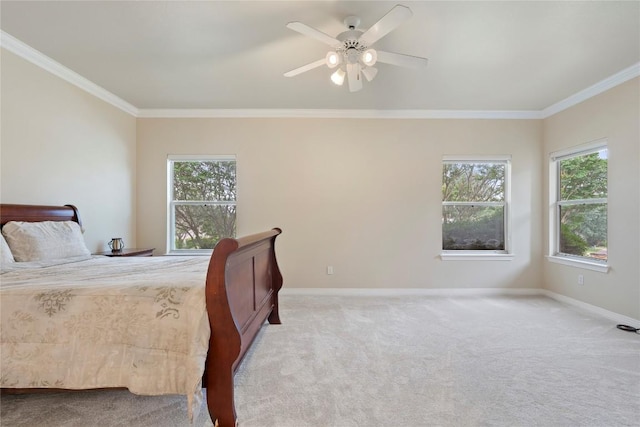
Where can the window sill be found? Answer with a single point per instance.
(185, 253)
(475, 257)
(602, 268)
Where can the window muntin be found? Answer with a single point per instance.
(580, 205)
(474, 206)
(202, 202)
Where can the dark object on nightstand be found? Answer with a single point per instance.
(129, 252)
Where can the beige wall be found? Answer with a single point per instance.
(360, 195)
(614, 115)
(61, 145)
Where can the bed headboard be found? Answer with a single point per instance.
(36, 213)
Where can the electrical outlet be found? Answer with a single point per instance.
(580, 279)
(329, 269)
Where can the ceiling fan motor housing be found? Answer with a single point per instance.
(351, 46)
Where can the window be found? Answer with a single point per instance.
(475, 206)
(579, 200)
(202, 202)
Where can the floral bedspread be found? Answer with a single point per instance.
(139, 323)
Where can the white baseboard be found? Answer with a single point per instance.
(391, 292)
(616, 317)
(408, 291)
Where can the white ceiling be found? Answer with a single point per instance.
(483, 56)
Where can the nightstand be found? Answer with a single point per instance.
(129, 252)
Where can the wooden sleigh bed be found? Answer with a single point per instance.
(241, 291)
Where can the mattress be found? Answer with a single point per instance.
(134, 322)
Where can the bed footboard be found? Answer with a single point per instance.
(242, 287)
(243, 280)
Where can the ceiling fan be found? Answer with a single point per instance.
(352, 54)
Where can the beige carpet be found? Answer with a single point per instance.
(405, 361)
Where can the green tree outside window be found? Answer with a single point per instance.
(473, 208)
(203, 202)
(582, 205)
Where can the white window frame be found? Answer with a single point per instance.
(172, 203)
(554, 254)
(485, 255)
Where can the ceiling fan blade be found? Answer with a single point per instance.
(386, 24)
(354, 77)
(315, 34)
(401, 60)
(304, 68)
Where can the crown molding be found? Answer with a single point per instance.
(335, 114)
(28, 53)
(602, 86)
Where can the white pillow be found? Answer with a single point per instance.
(5, 253)
(36, 241)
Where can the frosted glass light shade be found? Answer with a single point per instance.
(369, 73)
(332, 59)
(338, 76)
(369, 57)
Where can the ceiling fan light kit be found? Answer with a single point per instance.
(352, 54)
(333, 59)
(338, 77)
(369, 57)
(369, 73)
